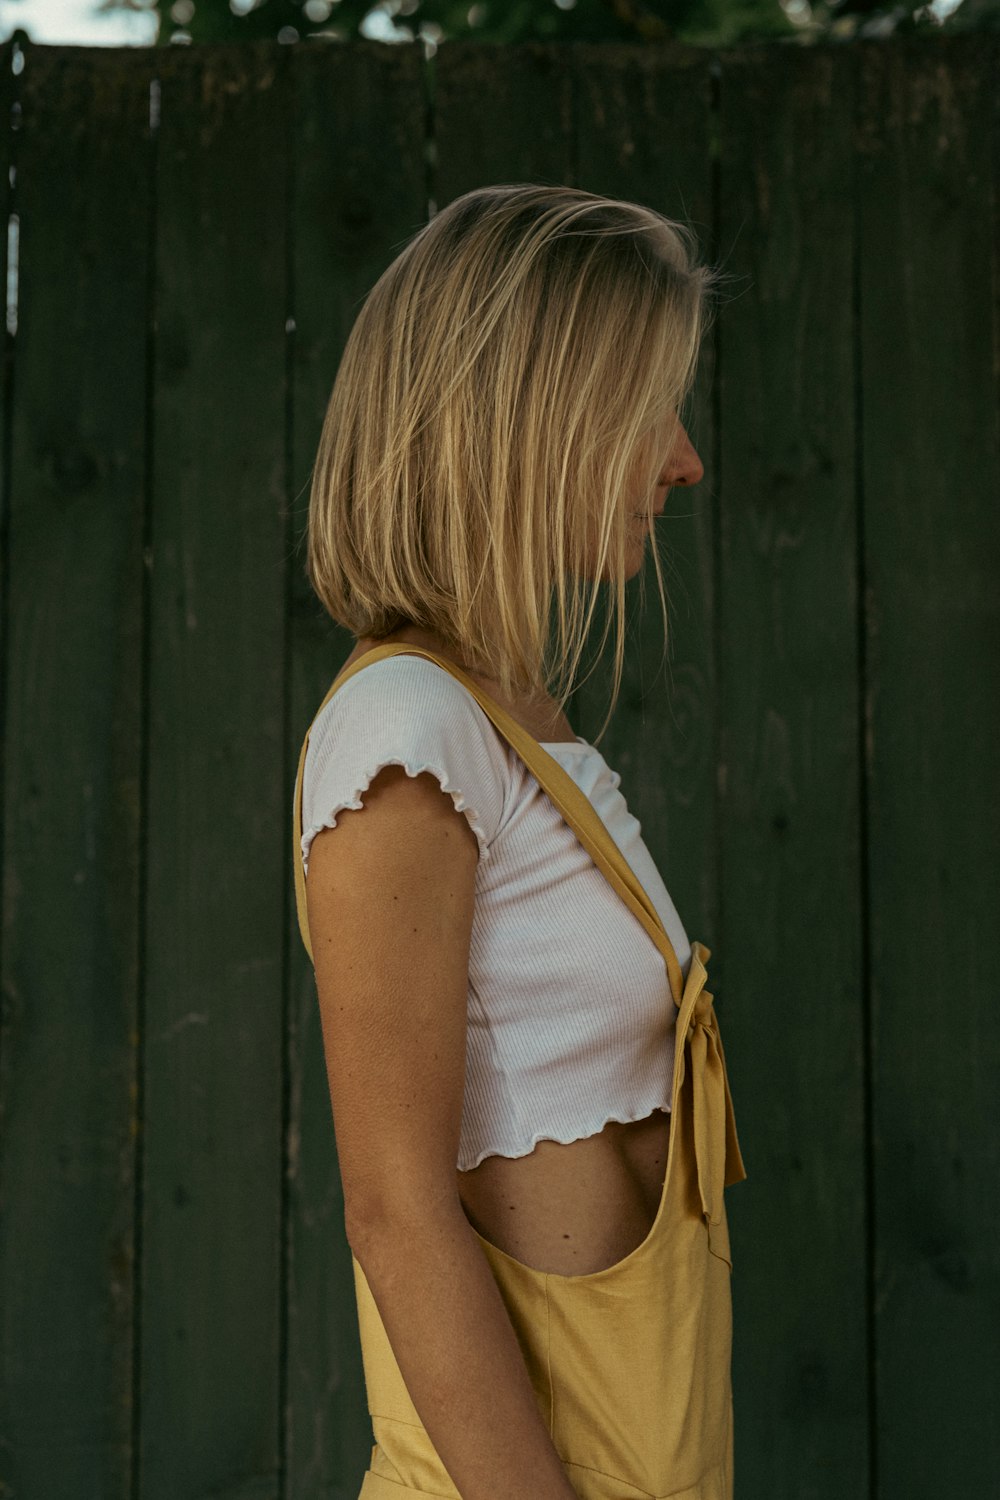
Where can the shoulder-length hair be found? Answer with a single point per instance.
(504, 403)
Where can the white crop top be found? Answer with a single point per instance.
(570, 1019)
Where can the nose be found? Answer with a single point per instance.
(685, 467)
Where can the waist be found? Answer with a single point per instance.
(575, 1207)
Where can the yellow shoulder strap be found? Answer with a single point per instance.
(574, 805)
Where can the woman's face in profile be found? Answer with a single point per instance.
(680, 466)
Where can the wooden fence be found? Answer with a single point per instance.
(816, 774)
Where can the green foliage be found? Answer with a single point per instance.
(700, 23)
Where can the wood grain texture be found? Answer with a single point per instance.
(928, 241)
(214, 1027)
(814, 767)
(357, 159)
(75, 499)
(791, 937)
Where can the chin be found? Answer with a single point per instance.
(635, 558)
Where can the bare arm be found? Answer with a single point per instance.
(461, 1361)
(390, 899)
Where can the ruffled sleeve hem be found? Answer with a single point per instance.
(412, 768)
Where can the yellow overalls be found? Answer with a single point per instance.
(631, 1365)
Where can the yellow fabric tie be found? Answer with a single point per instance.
(717, 1149)
(710, 1097)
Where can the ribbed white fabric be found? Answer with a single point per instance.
(570, 1017)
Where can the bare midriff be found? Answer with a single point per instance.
(572, 1207)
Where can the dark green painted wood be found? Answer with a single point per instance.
(813, 769)
(357, 161)
(502, 114)
(214, 1033)
(73, 644)
(791, 938)
(927, 138)
(12, 1393)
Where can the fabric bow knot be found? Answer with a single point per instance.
(711, 1101)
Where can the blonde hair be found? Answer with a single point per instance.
(516, 368)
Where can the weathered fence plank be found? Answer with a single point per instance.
(357, 161)
(213, 1205)
(791, 938)
(501, 114)
(71, 1042)
(927, 227)
(814, 770)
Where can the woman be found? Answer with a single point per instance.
(542, 1270)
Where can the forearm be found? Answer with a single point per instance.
(460, 1359)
